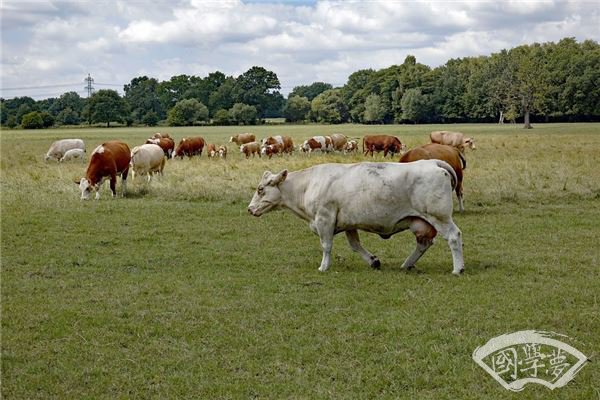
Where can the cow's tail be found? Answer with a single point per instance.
(463, 160)
(363, 144)
(133, 154)
(447, 167)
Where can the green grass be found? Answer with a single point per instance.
(176, 292)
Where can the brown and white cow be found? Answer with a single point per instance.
(190, 147)
(339, 141)
(223, 152)
(211, 150)
(385, 143)
(351, 146)
(166, 144)
(159, 135)
(251, 148)
(271, 149)
(242, 138)
(317, 143)
(106, 162)
(451, 155)
(285, 141)
(455, 139)
(147, 159)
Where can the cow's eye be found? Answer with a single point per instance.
(260, 190)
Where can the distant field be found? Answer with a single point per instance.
(176, 292)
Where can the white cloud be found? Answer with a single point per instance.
(61, 41)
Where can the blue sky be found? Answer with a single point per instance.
(50, 43)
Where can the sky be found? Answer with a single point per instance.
(49, 47)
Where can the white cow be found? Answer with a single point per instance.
(73, 153)
(146, 160)
(58, 149)
(382, 198)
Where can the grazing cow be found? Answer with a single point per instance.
(73, 153)
(58, 149)
(211, 150)
(455, 139)
(165, 143)
(271, 149)
(451, 155)
(250, 148)
(107, 161)
(242, 138)
(339, 141)
(285, 141)
(351, 146)
(382, 198)
(158, 135)
(321, 143)
(189, 147)
(147, 159)
(385, 143)
(223, 152)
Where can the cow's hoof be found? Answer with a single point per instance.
(409, 267)
(375, 263)
(459, 272)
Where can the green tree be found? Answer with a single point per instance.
(329, 107)
(106, 106)
(258, 87)
(296, 109)
(310, 91)
(221, 117)
(11, 121)
(47, 118)
(142, 96)
(187, 112)
(414, 105)
(374, 109)
(222, 98)
(150, 118)
(243, 114)
(68, 117)
(70, 100)
(32, 120)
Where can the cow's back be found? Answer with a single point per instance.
(108, 158)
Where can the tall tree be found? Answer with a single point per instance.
(296, 109)
(258, 87)
(107, 106)
(310, 91)
(142, 96)
(329, 107)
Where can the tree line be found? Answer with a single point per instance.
(542, 82)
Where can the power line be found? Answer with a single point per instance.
(41, 87)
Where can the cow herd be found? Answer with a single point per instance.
(378, 197)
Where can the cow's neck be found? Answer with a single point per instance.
(292, 195)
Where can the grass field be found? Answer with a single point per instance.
(176, 292)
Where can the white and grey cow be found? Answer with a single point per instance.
(72, 154)
(147, 159)
(58, 149)
(382, 198)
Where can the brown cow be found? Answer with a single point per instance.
(451, 155)
(385, 143)
(242, 138)
(351, 146)
(455, 139)
(190, 147)
(285, 141)
(166, 144)
(107, 161)
(250, 148)
(339, 141)
(211, 150)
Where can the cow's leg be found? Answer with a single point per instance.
(453, 235)
(113, 184)
(424, 234)
(354, 242)
(324, 227)
(459, 195)
(124, 181)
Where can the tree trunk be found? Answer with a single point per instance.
(526, 123)
(501, 119)
(108, 124)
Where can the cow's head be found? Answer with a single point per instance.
(268, 194)
(470, 143)
(86, 189)
(231, 139)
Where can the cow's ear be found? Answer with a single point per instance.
(267, 174)
(280, 177)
